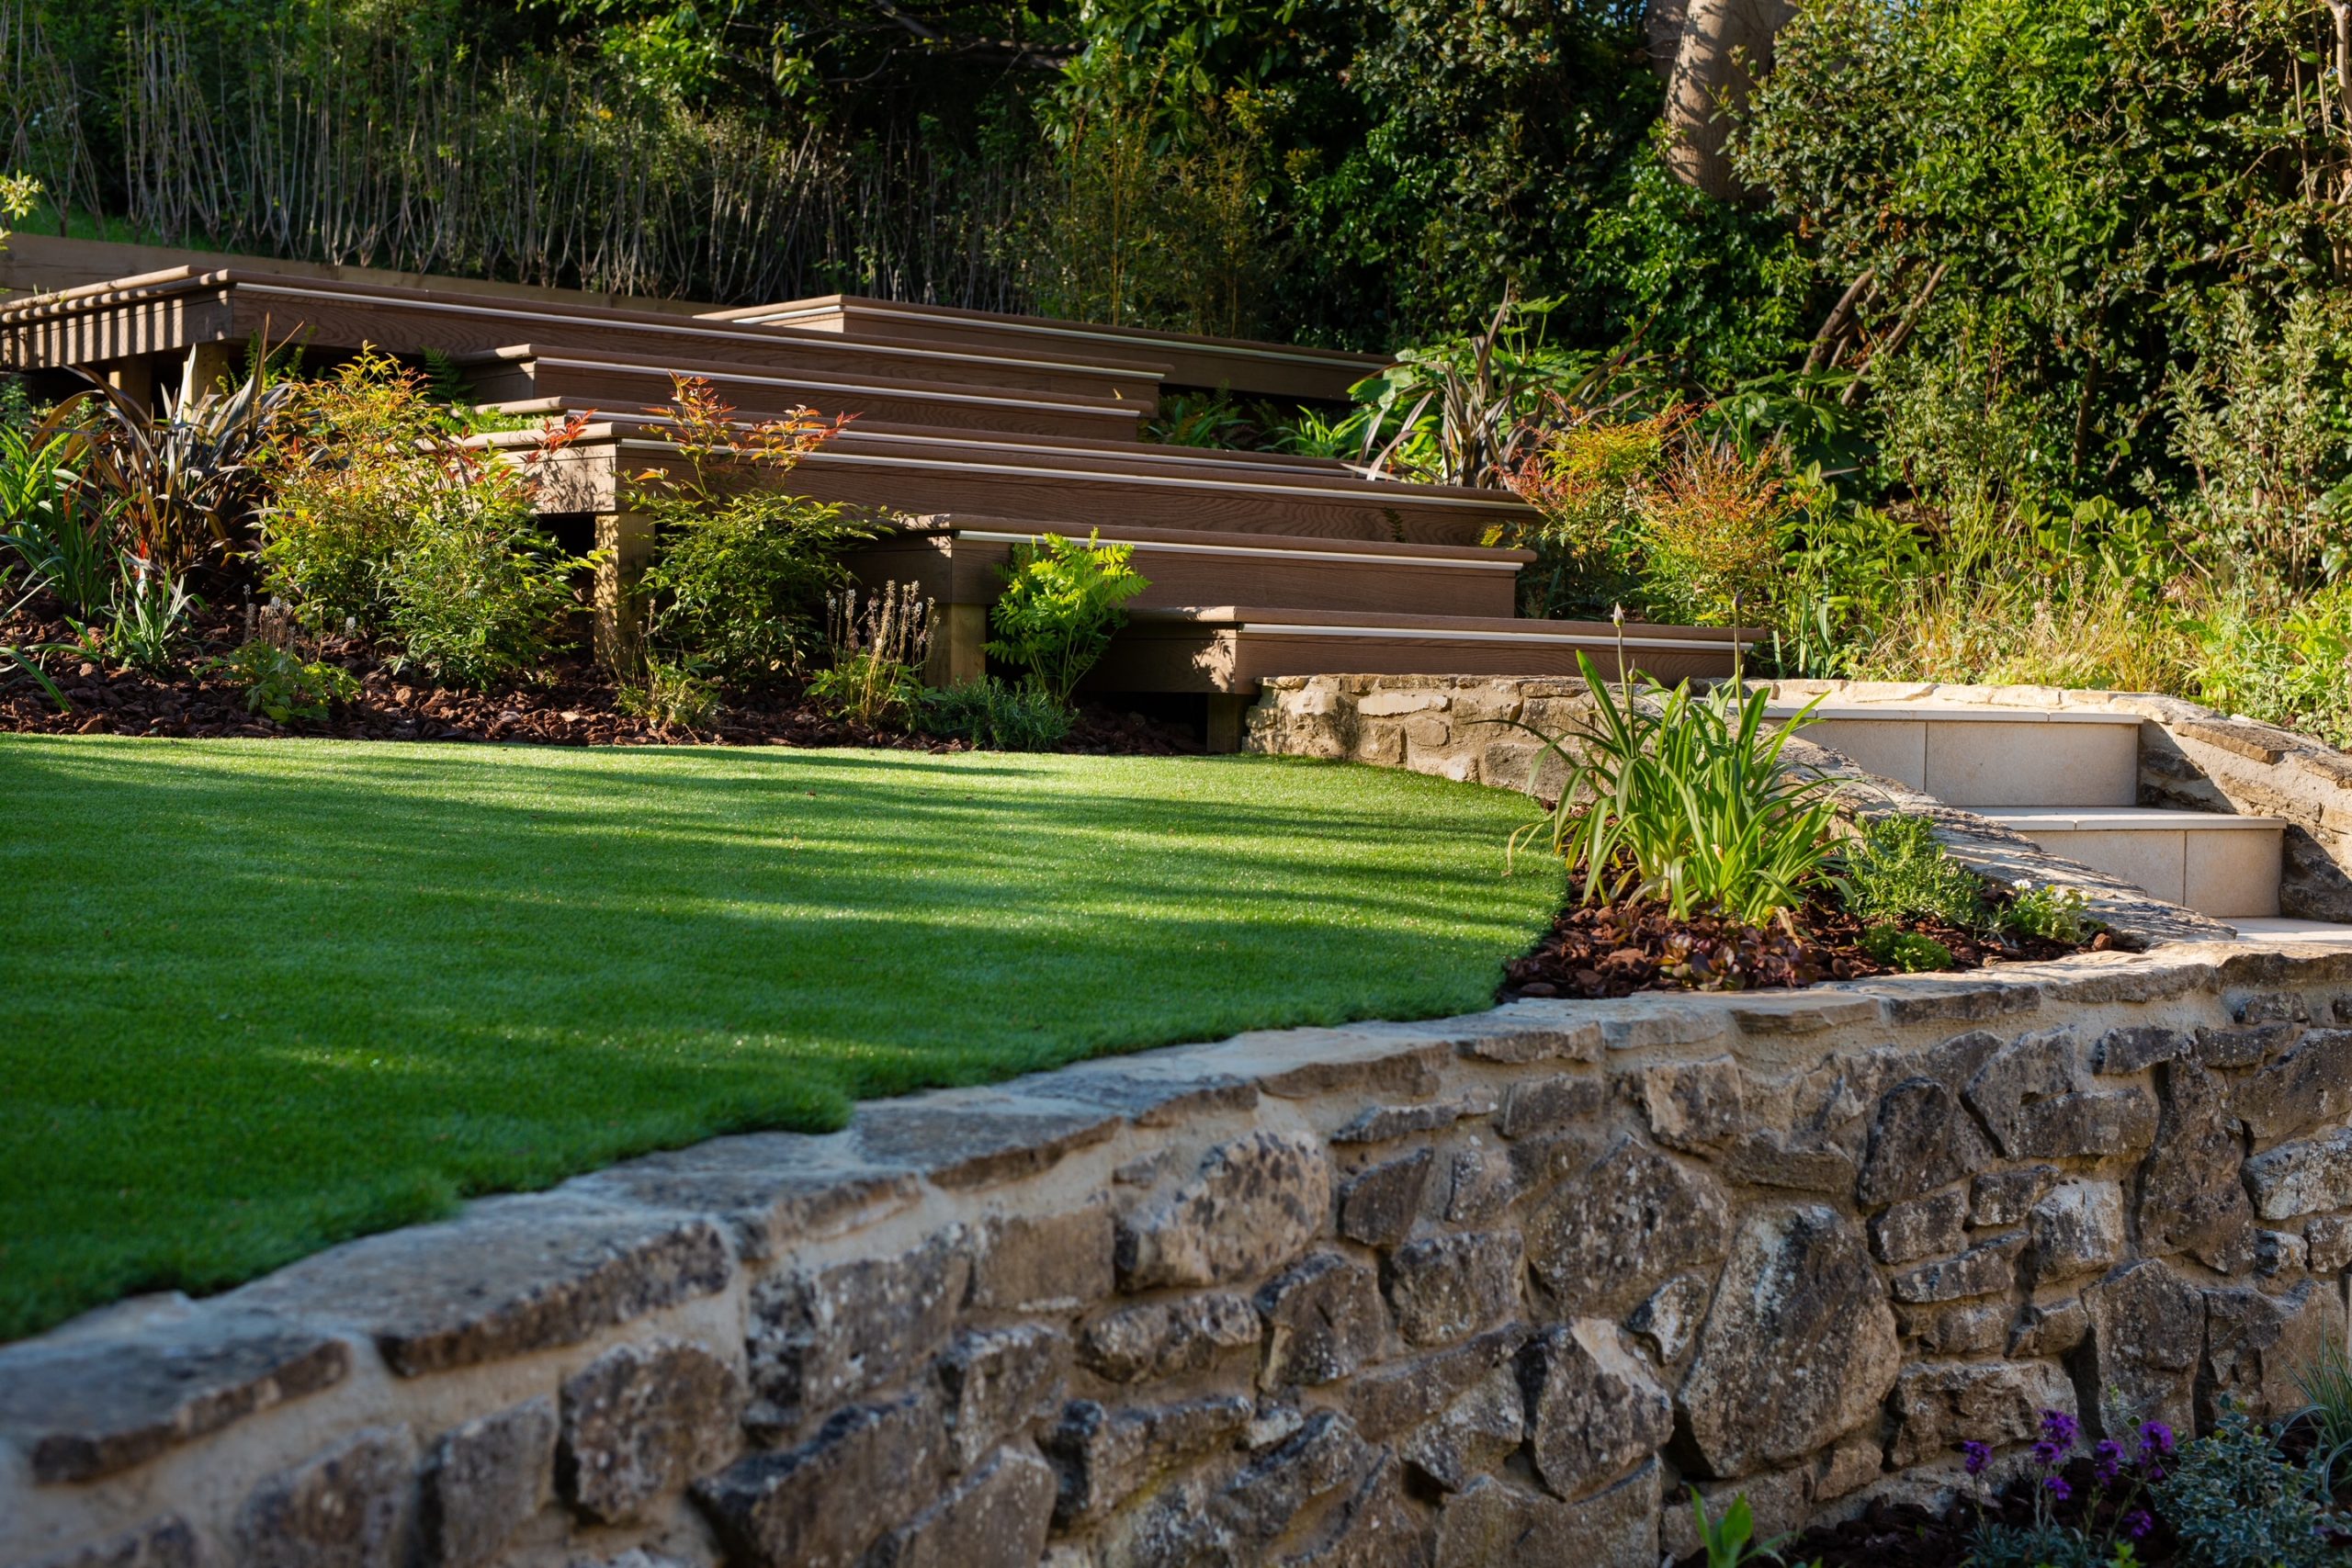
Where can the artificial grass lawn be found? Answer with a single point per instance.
(259, 997)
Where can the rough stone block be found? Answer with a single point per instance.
(2310, 1085)
(2327, 1243)
(349, 1508)
(1852, 1463)
(1670, 1316)
(1799, 1348)
(823, 1504)
(1778, 1502)
(2054, 1329)
(1044, 1263)
(993, 1382)
(2006, 1197)
(1386, 1123)
(1692, 1106)
(2304, 1178)
(2278, 1253)
(1378, 1205)
(997, 1517)
(1494, 1524)
(2245, 1047)
(1595, 1412)
(2136, 1047)
(2076, 1230)
(1163, 1339)
(482, 1480)
(642, 1420)
(2147, 1325)
(1938, 1406)
(1988, 1267)
(1255, 1202)
(1446, 1288)
(1104, 1457)
(1634, 1219)
(2030, 1068)
(2191, 1197)
(166, 1542)
(507, 1276)
(1920, 1227)
(1474, 1435)
(1548, 1105)
(1523, 1044)
(1763, 1159)
(1920, 1140)
(80, 1410)
(1323, 1321)
(2255, 1343)
(821, 1335)
(1326, 1458)
(1959, 1329)
(2087, 1126)
(1482, 1183)
(1399, 1397)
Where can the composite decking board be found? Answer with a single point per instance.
(1160, 651)
(1191, 359)
(533, 357)
(69, 328)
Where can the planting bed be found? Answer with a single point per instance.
(1618, 949)
(576, 705)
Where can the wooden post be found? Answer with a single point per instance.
(1225, 711)
(135, 379)
(215, 363)
(624, 543)
(959, 651)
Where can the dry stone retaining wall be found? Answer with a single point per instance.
(1487, 1291)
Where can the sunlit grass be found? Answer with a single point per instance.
(258, 997)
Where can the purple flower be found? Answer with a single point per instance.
(2107, 1462)
(2156, 1437)
(2058, 1488)
(2138, 1523)
(2060, 1428)
(1979, 1456)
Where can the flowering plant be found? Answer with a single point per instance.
(2107, 1503)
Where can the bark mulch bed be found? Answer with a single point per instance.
(574, 704)
(1614, 950)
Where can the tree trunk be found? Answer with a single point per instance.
(1724, 45)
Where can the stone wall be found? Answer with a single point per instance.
(2190, 758)
(1484, 1292)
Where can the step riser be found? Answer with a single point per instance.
(1977, 763)
(1156, 660)
(2225, 873)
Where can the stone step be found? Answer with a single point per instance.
(2224, 866)
(1975, 758)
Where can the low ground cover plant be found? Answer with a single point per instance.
(1063, 599)
(996, 716)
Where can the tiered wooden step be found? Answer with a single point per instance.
(1254, 369)
(2068, 780)
(166, 314)
(1228, 648)
(527, 379)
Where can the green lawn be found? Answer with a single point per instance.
(255, 997)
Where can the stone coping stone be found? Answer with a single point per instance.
(512, 1275)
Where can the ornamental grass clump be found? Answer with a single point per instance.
(1680, 798)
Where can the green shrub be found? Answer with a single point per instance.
(2236, 1501)
(1682, 798)
(1062, 601)
(996, 716)
(736, 581)
(282, 686)
(2051, 912)
(1896, 871)
(476, 590)
(670, 695)
(1907, 953)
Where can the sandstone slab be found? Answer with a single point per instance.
(2076, 1230)
(819, 1335)
(1161, 1339)
(993, 1382)
(1323, 1321)
(2147, 1326)
(1044, 1262)
(2308, 1176)
(1938, 1406)
(1446, 1288)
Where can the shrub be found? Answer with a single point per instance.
(670, 695)
(2051, 912)
(1682, 798)
(736, 582)
(1062, 601)
(62, 532)
(996, 716)
(281, 685)
(1711, 533)
(1907, 953)
(879, 651)
(476, 589)
(2236, 1501)
(1896, 870)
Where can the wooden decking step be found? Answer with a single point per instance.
(1238, 364)
(1231, 648)
(529, 378)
